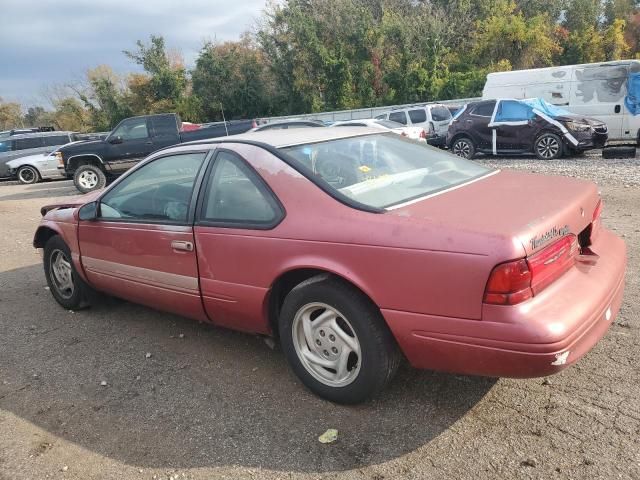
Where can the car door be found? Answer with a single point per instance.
(477, 122)
(129, 143)
(514, 127)
(141, 245)
(236, 202)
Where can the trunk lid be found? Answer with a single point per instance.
(529, 209)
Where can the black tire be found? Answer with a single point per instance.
(463, 147)
(79, 297)
(28, 175)
(548, 146)
(379, 355)
(88, 178)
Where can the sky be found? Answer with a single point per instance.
(53, 42)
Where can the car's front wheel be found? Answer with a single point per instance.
(28, 175)
(463, 147)
(548, 146)
(336, 340)
(66, 286)
(88, 178)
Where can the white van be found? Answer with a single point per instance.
(609, 92)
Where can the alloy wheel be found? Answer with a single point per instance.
(462, 149)
(326, 344)
(27, 175)
(548, 147)
(61, 274)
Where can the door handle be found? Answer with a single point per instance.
(148, 143)
(182, 245)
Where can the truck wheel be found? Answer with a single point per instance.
(548, 146)
(88, 178)
(336, 340)
(28, 175)
(463, 147)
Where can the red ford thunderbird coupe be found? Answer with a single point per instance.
(355, 248)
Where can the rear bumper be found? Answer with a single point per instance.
(437, 141)
(536, 338)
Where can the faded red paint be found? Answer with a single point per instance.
(425, 265)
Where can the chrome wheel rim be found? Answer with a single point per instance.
(548, 147)
(88, 179)
(326, 344)
(462, 149)
(27, 175)
(61, 274)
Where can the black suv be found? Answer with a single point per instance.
(508, 127)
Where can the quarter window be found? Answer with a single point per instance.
(399, 117)
(484, 109)
(159, 191)
(418, 116)
(236, 195)
(55, 140)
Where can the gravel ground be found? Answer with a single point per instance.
(210, 403)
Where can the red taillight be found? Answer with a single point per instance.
(550, 263)
(403, 133)
(254, 124)
(509, 283)
(514, 282)
(423, 133)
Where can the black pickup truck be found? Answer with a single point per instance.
(91, 163)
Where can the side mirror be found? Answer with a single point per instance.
(88, 211)
(115, 140)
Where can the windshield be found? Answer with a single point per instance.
(384, 170)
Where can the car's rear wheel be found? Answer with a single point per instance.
(28, 175)
(88, 178)
(66, 286)
(548, 146)
(336, 340)
(463, 147)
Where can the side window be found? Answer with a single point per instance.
(6, 146)
(27, 143)
(511, 110)
(55, 140)
(164, 125)
(237, 195)
(440, 114)
(132, 129)
(418, 116)
(484, 109)
(158, 191)
(399, 117)
(382, 117)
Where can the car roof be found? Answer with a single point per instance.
(289, 137)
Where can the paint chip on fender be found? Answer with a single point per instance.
(561, 358)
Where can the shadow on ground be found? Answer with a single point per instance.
(206, 396)
(46, 189)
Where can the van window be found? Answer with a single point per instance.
(399, 117)
(27, 143)
(418, 116)
(440, 114)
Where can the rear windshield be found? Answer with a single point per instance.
(389, 124)
(418, 116)
(384, 170)
(440, 114)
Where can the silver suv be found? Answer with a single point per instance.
(16, 146)
(434, 118)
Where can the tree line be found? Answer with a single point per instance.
(306, 56)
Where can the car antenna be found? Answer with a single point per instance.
(223, 120)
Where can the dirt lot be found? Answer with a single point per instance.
(210, 403)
